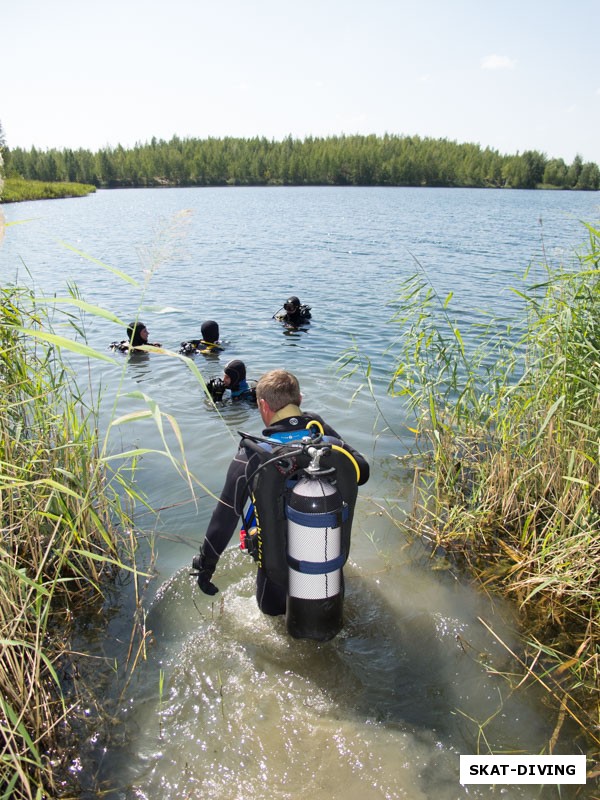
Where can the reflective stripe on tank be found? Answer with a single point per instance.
(328, 519)
(316, 567)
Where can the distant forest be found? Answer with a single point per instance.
(332, 161)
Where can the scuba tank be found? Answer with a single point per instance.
(298, 526)
(315, 512)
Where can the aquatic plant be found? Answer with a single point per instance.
(65, 535)
(506, 460)
(509, 424)
(67, 496)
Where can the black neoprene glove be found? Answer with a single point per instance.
(204, 576)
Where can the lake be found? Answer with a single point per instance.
(225, 704)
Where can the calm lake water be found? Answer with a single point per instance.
(225, 704)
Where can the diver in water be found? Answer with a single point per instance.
(208, 344)
(137, 336)
(234, 380)
(294, 313)
(278, 395)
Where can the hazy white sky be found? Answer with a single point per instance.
(512, 75)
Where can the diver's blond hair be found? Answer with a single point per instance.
(279, 388)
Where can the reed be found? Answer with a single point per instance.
(508, 427)
(61, 542)
(67, 497)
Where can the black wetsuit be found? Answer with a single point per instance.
(271, 597)
(296, 318)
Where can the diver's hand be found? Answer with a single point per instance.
(204, 575)
(205, 583)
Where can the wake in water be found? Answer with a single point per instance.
(247, 712)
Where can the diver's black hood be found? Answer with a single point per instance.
(210, 331)
(134, 330)
(236, 370)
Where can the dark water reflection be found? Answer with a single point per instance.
(414, 679)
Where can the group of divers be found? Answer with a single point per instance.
(293, 315)
(294, 488)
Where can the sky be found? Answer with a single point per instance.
(512, 76)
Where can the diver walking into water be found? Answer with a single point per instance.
(269, 485)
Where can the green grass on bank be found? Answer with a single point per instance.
(17, 190)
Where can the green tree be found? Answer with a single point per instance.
(335, 160)
(574, 171)
(514, 173)
(535, 163)
(589, 177)
(48, 167)
(555, 173)
(105, 167)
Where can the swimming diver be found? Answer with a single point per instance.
(233, 380)
(137, 336)
(295, 313)
(208, 344)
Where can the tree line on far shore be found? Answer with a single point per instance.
(356, 160)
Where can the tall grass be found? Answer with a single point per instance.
(507, 461)
(61, 541)
(509, 428)
(66, 499)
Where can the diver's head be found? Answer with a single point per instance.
(235, 373)
(210, 331)
(277, 388)
(137, 333)
(292, 304)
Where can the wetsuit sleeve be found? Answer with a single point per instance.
(226, 515)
